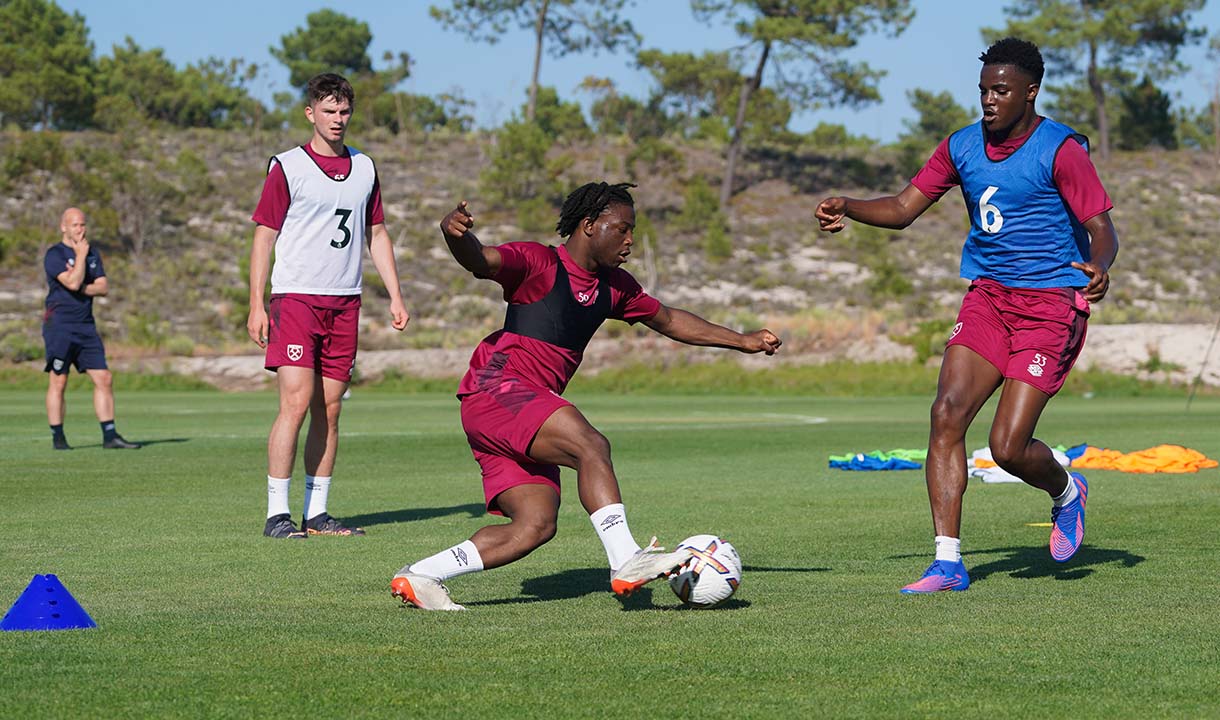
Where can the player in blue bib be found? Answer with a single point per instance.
(74, 277)
(1039, 251)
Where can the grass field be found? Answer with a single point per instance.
(200, 616)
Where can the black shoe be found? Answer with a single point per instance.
(324, 524)
(60, 443)
(282, 527)
(118, 443)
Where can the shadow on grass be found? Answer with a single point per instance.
(1036, 562)
(474, 510)
(142, 443)
(162, 441)
(572, 584)
(566, 585)
(760, 568)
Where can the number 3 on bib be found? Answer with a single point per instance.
(344, 215)
(989, 215)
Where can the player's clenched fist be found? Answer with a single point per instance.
(457, 222)
(765, 341)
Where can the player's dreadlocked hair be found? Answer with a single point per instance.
(589, 201)
(1014, 51)
(329, 85)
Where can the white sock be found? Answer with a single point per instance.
(457, 560)
(948, 548)
(610, 522)
(316, 490)
(1070, 494)
(277, 496)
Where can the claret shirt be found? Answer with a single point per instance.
(527, 275)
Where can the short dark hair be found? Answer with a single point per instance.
(326, 85)
(589, 201)
(1014, 51)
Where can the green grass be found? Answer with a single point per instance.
(199, 616)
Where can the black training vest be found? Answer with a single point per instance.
(557, 318)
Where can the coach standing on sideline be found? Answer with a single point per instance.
(320, 202)
(74, 277)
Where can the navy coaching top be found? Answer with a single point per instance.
(66, 306)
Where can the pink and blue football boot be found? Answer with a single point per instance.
(941, 575)
(1068, 521)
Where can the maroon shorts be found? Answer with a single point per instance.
(500, 423)
(1031, 335)
(314, 331)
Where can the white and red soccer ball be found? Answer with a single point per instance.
(712, 574)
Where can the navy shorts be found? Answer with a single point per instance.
(78, 345)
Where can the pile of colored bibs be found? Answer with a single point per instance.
(1159, 459)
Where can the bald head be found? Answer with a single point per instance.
(72, 225)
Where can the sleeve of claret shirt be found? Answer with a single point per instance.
(376, 215)
(938, 175)
(515, 267)
(629, 302)
(273, 203)
(1077, 180)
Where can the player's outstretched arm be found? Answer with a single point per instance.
(689, 328)
(471, 254)
(1103, 249)
(260, 266)
(891, 211)
(381, 249)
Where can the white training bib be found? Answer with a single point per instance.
(318, 251)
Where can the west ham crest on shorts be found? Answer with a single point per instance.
(295, 352)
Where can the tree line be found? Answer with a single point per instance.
(1107, 60)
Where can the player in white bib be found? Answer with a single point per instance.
(320, 203)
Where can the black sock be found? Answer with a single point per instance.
(108, 431)
(57, 432)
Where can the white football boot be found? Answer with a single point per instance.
(423, 592)
(647, 564)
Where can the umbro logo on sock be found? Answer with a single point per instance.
(610, 521)
(460, 555)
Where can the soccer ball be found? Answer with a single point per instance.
(711, 576)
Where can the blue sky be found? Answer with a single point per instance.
(937, 52)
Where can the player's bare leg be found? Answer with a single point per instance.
(56, 409)
(296, 386)
(532, 510)
(1015, 449)
(103, 406)
(567, 439)
(1013, 445)
(966, 381)
(321, 447)
(322, 440)
(103, 394)
(56, 404)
